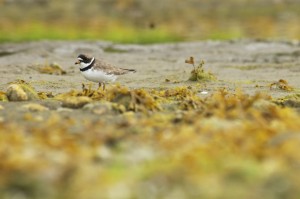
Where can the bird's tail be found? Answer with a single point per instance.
(130, 70)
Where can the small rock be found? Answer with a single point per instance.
(16, 93)
(64, 110)
(51, 104)
(98, 108)
(103, 153)
(34, 107)
(21, 92)
(170, 106)
(1, 107)
(76, 102)
(32, 117)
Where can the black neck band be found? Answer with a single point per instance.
(88, 67)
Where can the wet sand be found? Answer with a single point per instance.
(246, 64)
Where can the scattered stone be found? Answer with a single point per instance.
(170, 106)
(103, 153)
(34, 107)
(64, 110)
(1, 107)
(16, 93)
(76, 102)
(21, 92)
(98, 108)
(51, 104)
(32, 117)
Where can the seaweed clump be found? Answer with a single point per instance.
(96, 95)
(198, 73)
(231, 139)
(282, 85)
(132, 100)
(52, 69)
(289, 101)
(123, 98)
(76, 102)
(182, 98)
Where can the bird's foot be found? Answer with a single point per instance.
(83, 87)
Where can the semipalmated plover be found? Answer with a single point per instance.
(99, 71)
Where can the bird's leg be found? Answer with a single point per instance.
(83, 86)
(101, 84)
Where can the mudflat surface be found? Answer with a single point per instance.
(247, 64)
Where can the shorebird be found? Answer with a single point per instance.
(99, 71)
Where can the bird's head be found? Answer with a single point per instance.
(84, 60)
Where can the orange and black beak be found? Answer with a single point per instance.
(77, 62)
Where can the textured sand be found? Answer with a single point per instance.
(248, 64)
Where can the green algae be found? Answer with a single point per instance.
(199, 74)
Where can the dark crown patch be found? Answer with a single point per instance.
(84, 58)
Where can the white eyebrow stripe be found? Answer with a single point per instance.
(79, 59)
(92, 61)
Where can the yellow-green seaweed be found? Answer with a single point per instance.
(199, 74)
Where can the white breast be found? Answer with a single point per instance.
(98, 76)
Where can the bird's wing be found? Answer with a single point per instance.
(110, 69)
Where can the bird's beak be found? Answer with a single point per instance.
(77, 62)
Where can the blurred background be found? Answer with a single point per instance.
(144, 21)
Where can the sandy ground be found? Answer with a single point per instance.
(247, 64)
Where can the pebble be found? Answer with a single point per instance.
(20, 92)
(16, 93)
(98, 108)
(64, 110)
(76, 102)
(34, 107)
